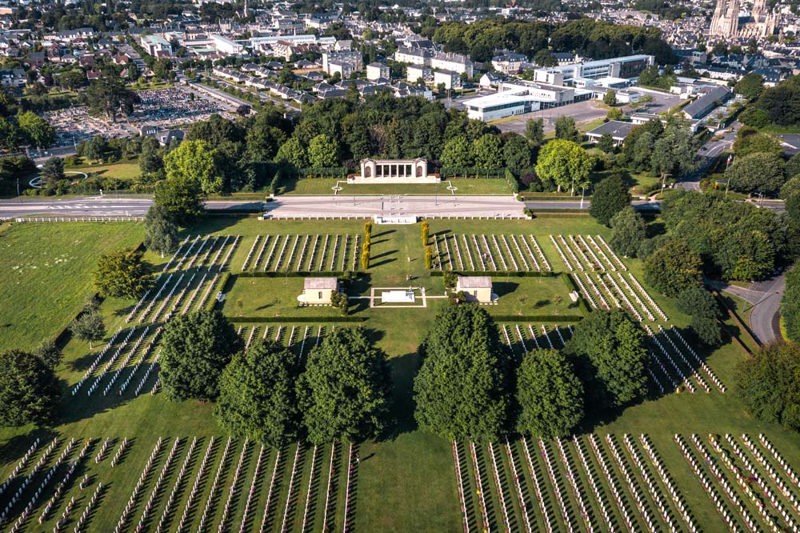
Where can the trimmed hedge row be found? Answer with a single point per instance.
(298, 319)
(584, 306)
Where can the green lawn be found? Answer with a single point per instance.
(405, 482)
(48, 274)
(477, 186)
(124, 170)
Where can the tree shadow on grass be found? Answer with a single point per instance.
(502, 288)
(403, 370)
(381, 263)
(15, 447)
(383, 233)
(384, 254)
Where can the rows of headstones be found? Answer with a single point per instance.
(523, 338)
(133, 349)
(678, 363)
(603, 282)
(482, 252)
(314, 490)
(583, 483)
(303, 253)
(301, 338)
(749, 485)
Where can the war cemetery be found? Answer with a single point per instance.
(121, 453)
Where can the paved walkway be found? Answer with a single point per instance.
(394, 206)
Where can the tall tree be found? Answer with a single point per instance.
(673, 268)
(123, 274)
(195, 349)
(566, 129)
(194, 161)
(457, 153)
(759, 172)
(790, 304)
(628, 231)
(461, 389)
(323, 152)
(53, 170)
(35, 129)
(564, 163)
(610, 197)
(108, 96)
(293, 153)
(88, 326)
(517, 154)
(769, 384)
(29, 389)
(49, 352)
(675, 152)
(161, 233)
(609, 351)
(549, 394)
(486, 151)
(181, 197)
(534, 131)
(257, 394)
(344, 391)
(702, 307)
(750, 86)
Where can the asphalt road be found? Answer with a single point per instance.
(765, 297)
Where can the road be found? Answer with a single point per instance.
(708, 154)
(765, 297)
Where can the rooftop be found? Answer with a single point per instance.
(320, 283)
(474, 282)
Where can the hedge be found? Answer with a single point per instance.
(512, 181)
(470, 172)
(224, 284)
(574, 287)
(298, 319)
(327, 172)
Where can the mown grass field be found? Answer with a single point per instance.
(124, 170)
(469, 186)
(405, 482)
(48, 275)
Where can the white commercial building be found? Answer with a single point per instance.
(617, 67)
(518, 97)
(223, 45)
(436, 60)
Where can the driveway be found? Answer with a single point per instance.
(765, 296)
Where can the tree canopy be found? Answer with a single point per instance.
(161, 233)
(181, 197)
(123, 274)
(628, 231)
(673, 268)
(461, 388)
(195, 348)
(549, 395)
(702, 307)
(194, 161)
(610, 197)
(769, 384)
(257, 394)
(758, 172)
(344, 392)
(29, 389)
(609, 351)
(790, 304)
(564, 163)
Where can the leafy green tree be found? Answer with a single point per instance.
(610, 98)
(642, 151)
(790, 304)
(293, 153)
(615, 113)
(566, 129)
(702, 307)
(344, 391)
(88, 326)
(263, 138)
(257, 394)
(323, 152)
(161, 233)
(628, 231)
(108, 96)
(181, 197)
(94, 149)
(610, 197)
(29, 390)
(545, 58)
(750, 86)
(35, 129)
(606, 143)
(194, 161)
(759, 172)
(793, 167)
(675, 152)
(150, 158)
(534, 131)
(487, 152)
(123, 274)
(609, 351)
(549, 394)
(457, 153)
(195, 349)
(751, 141)
(53, 170)
(564, 163)
(673, 268)
(461, 388)
(49, 353)
(769, 384)
(517, 153)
